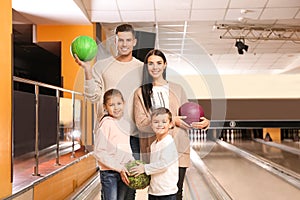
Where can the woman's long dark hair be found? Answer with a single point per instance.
(147, 78)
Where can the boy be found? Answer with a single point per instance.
(163, 166)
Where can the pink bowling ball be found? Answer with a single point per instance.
(192, 111)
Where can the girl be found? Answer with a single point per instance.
(155, 92)
(112, 148)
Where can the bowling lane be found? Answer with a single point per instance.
(283, 158)
(291, 144)
(243, 179)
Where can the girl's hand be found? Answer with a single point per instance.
(203, 124)
(124, 176)
(137, 170)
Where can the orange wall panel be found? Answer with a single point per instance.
(6, 97)
(65, 34)
(274, 133)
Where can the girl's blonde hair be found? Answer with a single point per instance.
(111, 92)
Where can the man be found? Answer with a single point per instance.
(123, 72)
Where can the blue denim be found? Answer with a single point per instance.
(135, 147)
(182, 171)
(112, 186)
(130, 194)
(165, 197)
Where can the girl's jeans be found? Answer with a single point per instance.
(112, 186)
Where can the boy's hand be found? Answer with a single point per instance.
(137, 170)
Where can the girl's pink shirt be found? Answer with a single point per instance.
(112, 146)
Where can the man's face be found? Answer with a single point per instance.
(125, 42)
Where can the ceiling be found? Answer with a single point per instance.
(188, 28)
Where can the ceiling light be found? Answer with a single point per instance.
(242, 19)
(241, 46)
(244, 11)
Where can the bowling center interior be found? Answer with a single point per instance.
(251, 149)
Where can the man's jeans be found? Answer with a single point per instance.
(135, 147)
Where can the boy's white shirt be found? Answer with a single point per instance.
(163, 167)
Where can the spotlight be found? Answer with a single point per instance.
(241, 46)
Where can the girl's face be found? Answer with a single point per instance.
(160, 125)
(115, 106)
(156, 66)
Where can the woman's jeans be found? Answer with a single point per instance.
(112, 186)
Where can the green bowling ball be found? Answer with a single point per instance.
(84, 47)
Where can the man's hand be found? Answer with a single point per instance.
(86, 66)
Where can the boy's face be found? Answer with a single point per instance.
(160, 124)
(125, 41)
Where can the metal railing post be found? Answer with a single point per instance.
(57, 125)
(73, 125)
(85, 124)
(36, 154)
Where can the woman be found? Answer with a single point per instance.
(157, 92)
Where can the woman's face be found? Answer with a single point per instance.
(156, 66)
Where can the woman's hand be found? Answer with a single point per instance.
(137, 170)
(203, 124)
(178, 121)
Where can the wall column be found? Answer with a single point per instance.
(6, 98)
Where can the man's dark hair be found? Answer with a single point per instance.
(125, 28)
